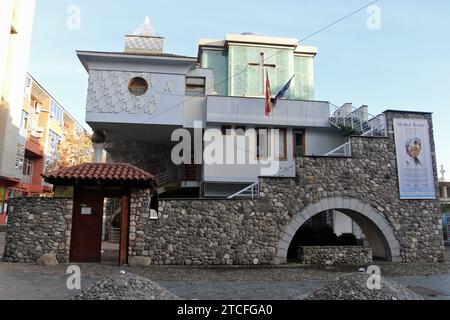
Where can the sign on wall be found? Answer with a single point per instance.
(414, 160)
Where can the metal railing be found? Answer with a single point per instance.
(167, 178)
(362, 122)
(250, 191)
(358, 119)
(282, 172)
(342, 151)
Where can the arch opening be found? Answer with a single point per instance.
(377, 233)
(330, 229)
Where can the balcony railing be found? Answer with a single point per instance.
(245, 110)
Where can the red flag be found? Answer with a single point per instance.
(268, 96)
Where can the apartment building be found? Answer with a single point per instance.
(16, 25)
(44, 123)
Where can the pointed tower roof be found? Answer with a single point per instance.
(144, 39)
(146, 29)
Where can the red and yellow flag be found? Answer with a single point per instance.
(268, 96)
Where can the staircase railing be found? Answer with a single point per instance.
(358, 119)
(250, 191)
(342, 151)
(166, 178)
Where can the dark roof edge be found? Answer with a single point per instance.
(128, 54)
(404, 111)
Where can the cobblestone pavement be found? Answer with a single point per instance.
(18, 281)
(29, 282)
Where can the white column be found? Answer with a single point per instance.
(444, 192)
(98, 152)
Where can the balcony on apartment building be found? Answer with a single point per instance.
(444, 190)
(251, 111)
(34, 145)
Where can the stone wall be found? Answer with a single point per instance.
(370, 175)
(38, 226)
(259, 231)
(205, 232)
(337, 255)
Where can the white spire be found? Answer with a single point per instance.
(144, 39)
(146, 29)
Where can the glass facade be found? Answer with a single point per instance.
(218, 61)
(304, 76)
(241, 71)
(56, 112)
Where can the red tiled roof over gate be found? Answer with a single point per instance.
(101, 172)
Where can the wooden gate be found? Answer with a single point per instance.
(87, 229)
(91, 183)
(87, 222)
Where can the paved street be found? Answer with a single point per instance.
(30, 282)
(26, 282)
(2, 244)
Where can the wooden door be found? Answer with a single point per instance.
(124, 230)
(299, 143)
(87, 223)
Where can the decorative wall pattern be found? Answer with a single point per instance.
(149, 44)
(108, 93)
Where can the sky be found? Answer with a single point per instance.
(402, 61)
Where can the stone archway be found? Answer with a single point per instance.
(377, 229)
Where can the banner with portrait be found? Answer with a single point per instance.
(414, 160)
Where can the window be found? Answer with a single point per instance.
(195, 86)
(27, 170)
(27, 84)
(138, 86)
(52, 157)
(226, 130)
(262, 68)
(281, 144)
(262, 143)
(298, 144)
(24, 124)
(56, 112)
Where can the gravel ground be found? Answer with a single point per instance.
(19, 281)
(290, 272)
(126, 286)
(354, 286)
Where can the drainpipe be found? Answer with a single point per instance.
(98, 141)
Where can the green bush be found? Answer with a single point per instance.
(321, 236)
(348, 131)
(347, 239)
